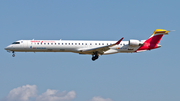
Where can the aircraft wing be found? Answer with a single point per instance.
(100, 50)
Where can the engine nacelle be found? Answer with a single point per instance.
(135, 43)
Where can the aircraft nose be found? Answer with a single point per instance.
(8, 48)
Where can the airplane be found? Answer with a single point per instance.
(94, 48)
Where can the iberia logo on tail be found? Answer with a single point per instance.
(153, 41)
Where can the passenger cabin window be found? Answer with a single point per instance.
(95, 43)
(48, 43)
(65, 43)
(55, 43)
(79, 44)
(86, 43)
(16, 43)
(102, 43)
(82, 43)
(62, 43)
(99, 44)
(69, 44)
(38, 43)
(90, 43)
(75, 43)
(44, 43)
(72, 43)
(51, 43)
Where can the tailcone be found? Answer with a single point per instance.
(158, 46)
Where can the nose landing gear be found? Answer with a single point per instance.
(95, 56)
(13, 54)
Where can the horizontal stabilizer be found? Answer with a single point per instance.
(160, 31)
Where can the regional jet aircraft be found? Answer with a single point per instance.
(94, 48)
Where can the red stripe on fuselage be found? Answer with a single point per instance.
(151, 43)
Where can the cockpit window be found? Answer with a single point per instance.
(16, 43)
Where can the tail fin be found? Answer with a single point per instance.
(153, 40)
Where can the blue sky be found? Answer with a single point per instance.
(147, 76)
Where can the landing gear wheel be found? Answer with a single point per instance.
(13, 55)
(95, 56)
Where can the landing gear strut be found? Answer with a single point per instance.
(13, 54)
(95, 56)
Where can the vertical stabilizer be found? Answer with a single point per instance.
(153, 40)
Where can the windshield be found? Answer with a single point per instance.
(16, 43)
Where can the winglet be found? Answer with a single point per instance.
(119, 41)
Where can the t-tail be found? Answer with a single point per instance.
(154, 39)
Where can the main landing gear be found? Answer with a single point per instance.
(95, 56)
(13, 54)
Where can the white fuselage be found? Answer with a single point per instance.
(69, 46)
